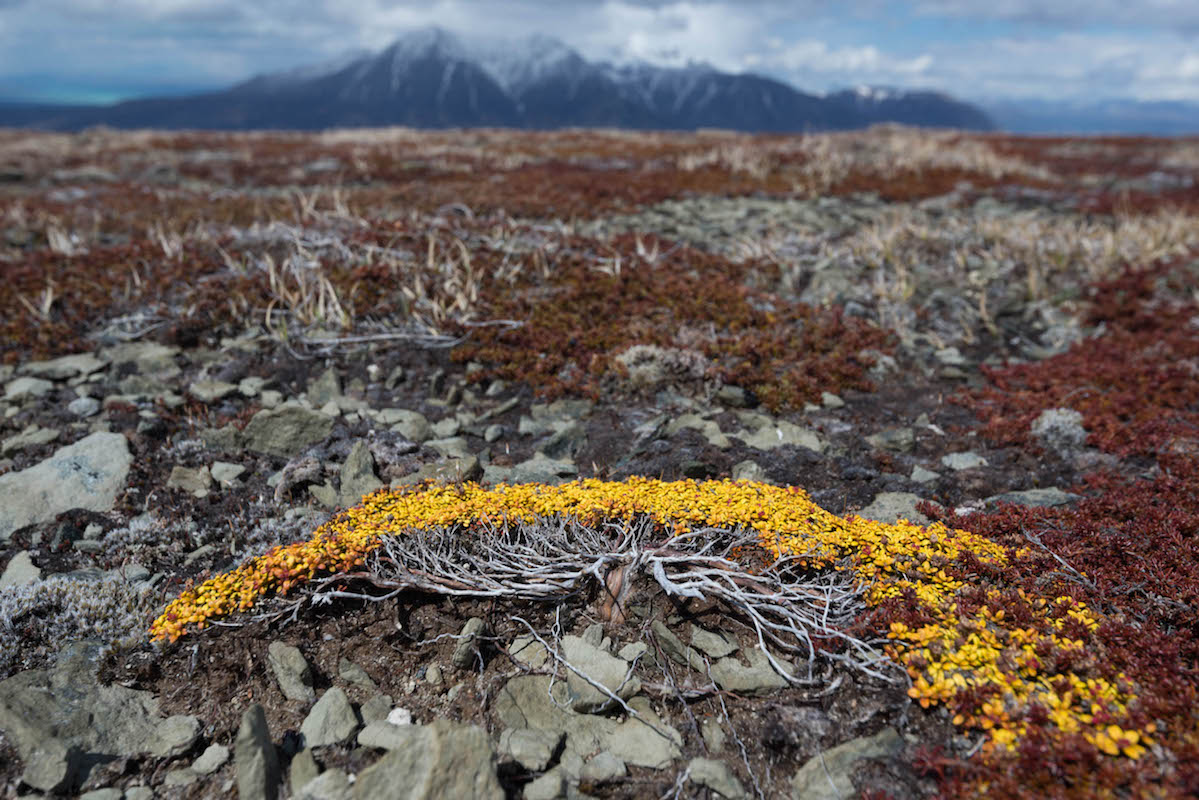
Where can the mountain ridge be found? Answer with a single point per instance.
(431, 78)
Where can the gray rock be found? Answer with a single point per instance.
(411, 425)
(174, 735)
(466, 650)
(291, 671)
(21, 389)
(748, 470)
(633, 651)
(713, 735)
(1060, 429)
(385, 734)
(961, 461)
(600, 667)
(333, 784)
(537, 469)
(550, 786)
(951, 357)
(642, 740)
(298, 471)
(20, 571)
(331, 721)
(708, 428)
(376, 708)
(64, 367)
(890, 507)
(251, 386)
(358, 475)
(716, 776)
(52, 766)
(212, 759)
(209, 391)
(566, 443)
(223, 440)
(831, 401)
(286, 431)
(195, 481)
(107, 793)
(898, 440)
(440, 760)
(922, 475)
(87, 474)
(766, 433)
(76, 723)
(180, 777)
(32, 436)
(756, 679)
(733, 396)
(148, 358)
(528, 651)
(255, 758)
(673, 646)
(453, 447)
(603, 767)
(532, 749)
(226, 473)
(350, 672)
(325, 389)
(449, 471)
(84, 407)
(1036, 498)
(715, 645)
(303, 768)
(827, 776)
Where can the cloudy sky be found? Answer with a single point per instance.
(106, 50)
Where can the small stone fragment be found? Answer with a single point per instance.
(717, 776)
(291, 671)
(466, 650)
(331, 721)
(255, 759)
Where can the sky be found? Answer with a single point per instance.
(99, 51)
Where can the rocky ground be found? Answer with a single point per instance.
(204, 362)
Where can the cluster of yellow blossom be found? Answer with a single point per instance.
(951, 655)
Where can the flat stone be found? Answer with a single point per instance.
(603, 767)
(212, 759)
(440, 760)
(537, 469)
(1060, 430)
(196, 481)
(766, 433)
(897, 440)
(174, 735)
(20, 571)
(717, 776)
(706, 427)
(254, 757)
(286, 431)
(714, 645)
(376, 708)
(890, 507)
(209, 391)
(827, 776)
(333, 784)
(532, 749)
(84, 407)
(26, 388)
(451, 447)
(107, 793)
(1036, 498)
(331, 721)
(443, 472)
(411, 425)
(758, 678)
(673, 646)
(87, 474)
(350, 672)
(292, 672)
(831, 401)
(600, 667)
(251, 386)
(528, 651)
(922, 475)
(149, 358)
(226, 473)
(33, 436)
(961, 461)
(752, 471)
(58, 369)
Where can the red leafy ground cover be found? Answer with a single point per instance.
(1129, 550)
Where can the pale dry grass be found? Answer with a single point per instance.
(888, 150)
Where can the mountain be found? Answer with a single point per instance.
(431, 78)
(1153, 118)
